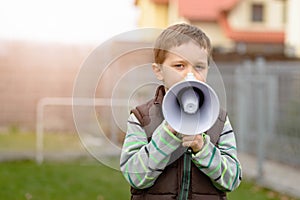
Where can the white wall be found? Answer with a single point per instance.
(240, 17)
(293, 28)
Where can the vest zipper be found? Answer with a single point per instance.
(185, 183)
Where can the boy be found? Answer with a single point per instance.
(155, 159)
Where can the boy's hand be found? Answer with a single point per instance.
(195, 142)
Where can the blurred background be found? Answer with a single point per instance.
(44, 44)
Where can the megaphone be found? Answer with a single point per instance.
(191, 107)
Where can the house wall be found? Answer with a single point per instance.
(293, 29)
(173, 16)
(152, 14)
(240, 16)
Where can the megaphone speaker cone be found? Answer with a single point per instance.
(190, 99)
(191, 107)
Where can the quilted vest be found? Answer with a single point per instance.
(168, 184)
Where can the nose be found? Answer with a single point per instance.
(198, 75)
(190, 69)
(184, 74)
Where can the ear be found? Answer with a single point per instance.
(157, 69)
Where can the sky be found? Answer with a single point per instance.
(69, 21)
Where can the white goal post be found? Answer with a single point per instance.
(64, 101)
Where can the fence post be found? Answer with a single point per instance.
(242, 95)
(261, 114)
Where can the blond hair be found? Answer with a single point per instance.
(177, 35)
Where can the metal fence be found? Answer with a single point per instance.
(263, 100)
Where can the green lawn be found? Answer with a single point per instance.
(78, 180)
(64, 180)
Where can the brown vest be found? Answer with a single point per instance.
(168, 184)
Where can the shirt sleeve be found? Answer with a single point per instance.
(220, 162)
(142, 161)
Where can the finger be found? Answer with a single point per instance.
(189, 143)
(190, 138)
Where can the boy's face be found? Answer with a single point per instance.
(181, 60)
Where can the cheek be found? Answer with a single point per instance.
(202, 76)
(171, 77)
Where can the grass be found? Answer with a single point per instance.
(77, 179)
(249, 190)
(61, 180)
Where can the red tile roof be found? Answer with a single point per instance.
(204, 10)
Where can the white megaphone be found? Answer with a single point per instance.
(191, 107)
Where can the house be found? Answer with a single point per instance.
(259, 27)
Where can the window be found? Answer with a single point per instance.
(257, 12)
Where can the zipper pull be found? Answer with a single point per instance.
(190, 150)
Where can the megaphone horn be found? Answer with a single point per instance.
(191, 107)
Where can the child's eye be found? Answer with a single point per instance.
(179, 66)
(200, 67)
